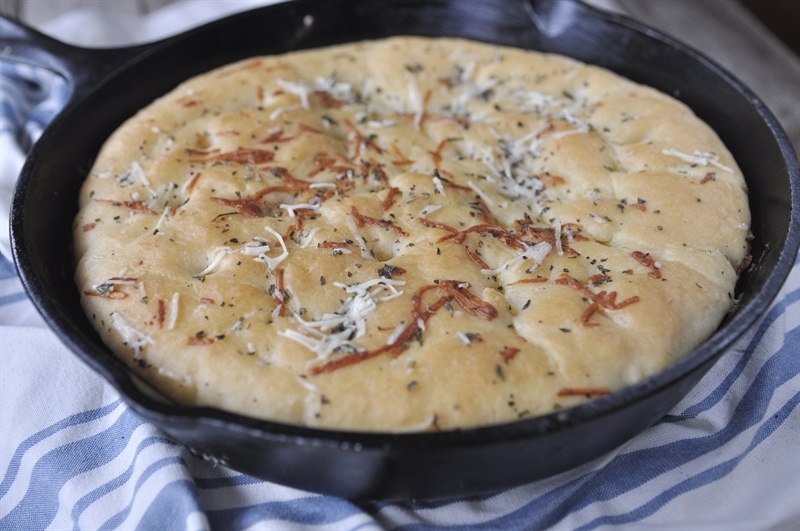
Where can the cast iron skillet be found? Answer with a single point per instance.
(109, 85)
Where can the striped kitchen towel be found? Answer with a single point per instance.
(74, 456)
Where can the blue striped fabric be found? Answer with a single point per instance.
(29, 99)
(73, 456)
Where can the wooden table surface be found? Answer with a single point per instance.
(722, 29)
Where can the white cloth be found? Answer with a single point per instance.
(73, 456)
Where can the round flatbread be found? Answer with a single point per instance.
(408, 234)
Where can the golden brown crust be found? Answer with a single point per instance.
(408, 234)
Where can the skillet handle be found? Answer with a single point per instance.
(82, 68)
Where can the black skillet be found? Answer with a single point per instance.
(109, 85)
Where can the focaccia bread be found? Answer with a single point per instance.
(408, 234)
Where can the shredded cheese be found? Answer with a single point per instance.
(465, 339)
(339, 90)
(299, 206)
(255, 247)
(132, 337)
(396, 332)
(701, 158)
(537, 252)
(164, 215)
(280, 110)
(597, 219)
(305, 237)
(362, 242)
(216, 258)
(162, 197)
(557, 235)
(272, 263)
(512, 162)
(240, 321)
(486, 199)
(415, 103)
(437, 185)
(377, 124)
(114, 281)
(334, 332)
(133, 174)
(427, 210)
(421, 426)
(173, 310)
(299, 89)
